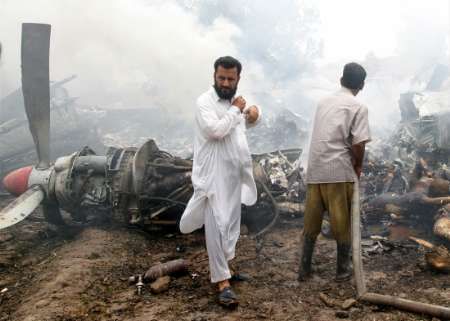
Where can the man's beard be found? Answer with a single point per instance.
(225, 93)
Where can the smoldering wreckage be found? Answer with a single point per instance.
(405, 187)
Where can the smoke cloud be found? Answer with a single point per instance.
(126, 54)
(160, 53)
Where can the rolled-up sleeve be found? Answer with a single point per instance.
(214, 127)
(360, 130)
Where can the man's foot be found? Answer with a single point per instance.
(227, 298)
(343, 277)
(304, 275)
(223, 284)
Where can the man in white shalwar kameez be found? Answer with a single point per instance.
(222, 174)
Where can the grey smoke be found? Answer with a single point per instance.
(126, 54)
(283, 37)
(159, 53)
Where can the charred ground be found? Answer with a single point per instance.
(81, 273)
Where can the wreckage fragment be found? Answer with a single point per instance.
(168, 268)
(158, 275)
(160, 285)
(442, 228)
(437, 257)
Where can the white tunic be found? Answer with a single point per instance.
(222, 173)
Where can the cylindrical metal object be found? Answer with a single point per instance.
(408, 305)
(139, 284)
(43, 178)
(171, 267)
(91, 162)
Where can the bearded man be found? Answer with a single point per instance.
(222, 174)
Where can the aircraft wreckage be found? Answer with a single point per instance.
(134, 185)
(67, 125)
(141, 186)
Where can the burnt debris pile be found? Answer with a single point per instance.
(406, 188)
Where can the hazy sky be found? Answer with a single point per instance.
(352, 28)
(412, 35)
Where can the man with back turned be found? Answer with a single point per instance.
(340, 132)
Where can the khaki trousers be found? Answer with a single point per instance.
(336, 198)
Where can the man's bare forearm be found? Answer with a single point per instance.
(358, 157)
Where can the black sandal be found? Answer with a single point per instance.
(227, 298)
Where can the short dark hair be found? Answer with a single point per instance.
(228, 62)
(353, 76)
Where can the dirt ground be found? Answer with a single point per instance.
(81, 273)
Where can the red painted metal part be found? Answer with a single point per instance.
(16, 182)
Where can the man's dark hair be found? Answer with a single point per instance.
(228, 62)
(353, 76)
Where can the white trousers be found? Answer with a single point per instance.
(220, 250)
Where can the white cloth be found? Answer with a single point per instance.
(220, 250)
(340, 122)
(222, 173)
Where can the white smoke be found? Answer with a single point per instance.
(126, 54)
(398, 44)
(146, 53)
